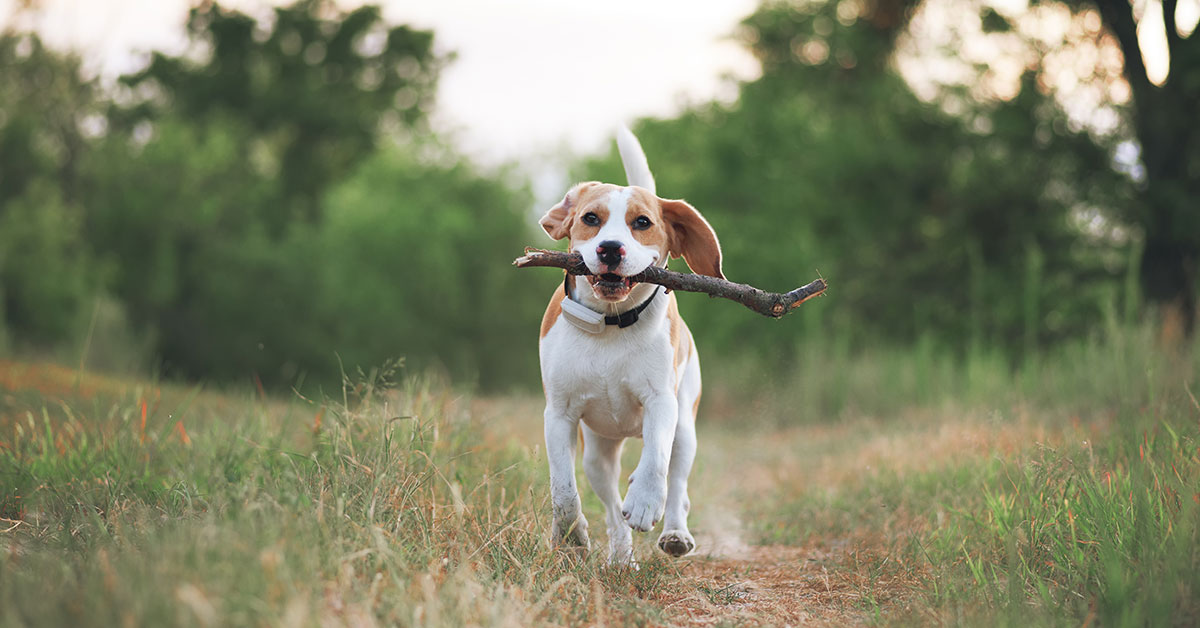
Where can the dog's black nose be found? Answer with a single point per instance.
(610, 252)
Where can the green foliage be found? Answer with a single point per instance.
(259, 206)
(968, 230)
(406, 255)
(157, 211)
(313, 89)
(269, 200)
(259, 229)
(44, 105)
(45, 276)
(417, 259)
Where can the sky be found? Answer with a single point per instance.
(512, 91)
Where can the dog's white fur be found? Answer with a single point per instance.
(643, 380)
(637, 169)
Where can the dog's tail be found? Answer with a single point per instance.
(637, 170)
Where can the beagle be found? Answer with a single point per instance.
(618, 361)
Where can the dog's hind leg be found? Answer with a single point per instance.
(676, 540)
(602, 463)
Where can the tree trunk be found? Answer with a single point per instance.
(1168, 277)
(1164, 118)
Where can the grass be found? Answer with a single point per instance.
(1067, 492)
(390, 507)
(1096, 520)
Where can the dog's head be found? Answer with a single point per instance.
(620, 231)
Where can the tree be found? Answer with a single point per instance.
(1165, 117)
(1158, 118)
(271, 201)
(214, 157)
(829, 161)
(46, 273)
(315, 88)
(264, 204)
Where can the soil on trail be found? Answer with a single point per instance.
(769, 585)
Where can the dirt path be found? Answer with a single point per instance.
(731, 580)
(773, 585)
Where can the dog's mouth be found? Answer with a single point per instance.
(611, 286)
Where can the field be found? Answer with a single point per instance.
(893, 488)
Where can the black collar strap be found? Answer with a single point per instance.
(624, 319)
(629, 317)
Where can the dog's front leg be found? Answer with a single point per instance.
(569, 525)
(647, 497)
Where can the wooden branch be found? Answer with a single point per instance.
(772, 304)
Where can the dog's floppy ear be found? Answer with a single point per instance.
(557, 221)
(692, 237)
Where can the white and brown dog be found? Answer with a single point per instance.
(618, 361)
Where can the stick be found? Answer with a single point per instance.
(772, 304)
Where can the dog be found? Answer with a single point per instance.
(617, 360)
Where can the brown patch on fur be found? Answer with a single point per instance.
(581, 231)
(682, 343)
(558, 221)
(681, 338)
(553, 311)
(643, 203)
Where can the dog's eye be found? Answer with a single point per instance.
(591, 219)
(641, 222)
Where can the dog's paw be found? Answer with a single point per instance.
(676, 542)
(622, 557)
(644, 504)
(571, 534)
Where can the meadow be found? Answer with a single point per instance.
(208, 253)
(901, 487)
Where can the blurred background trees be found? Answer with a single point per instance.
(259, 205)
(273, 200)
(44, 108)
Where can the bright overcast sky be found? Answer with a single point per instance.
(530, 76)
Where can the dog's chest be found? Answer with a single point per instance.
(610, 408)
(605, 378)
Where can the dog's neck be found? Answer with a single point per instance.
(581, 292)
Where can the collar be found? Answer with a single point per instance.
(588, 320)
(630, 316)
